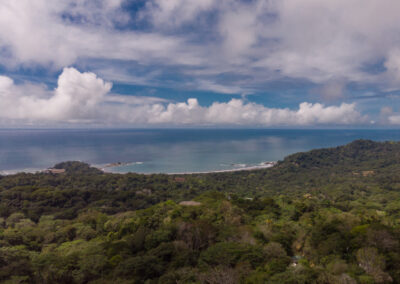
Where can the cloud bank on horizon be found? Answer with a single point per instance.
(85, 98)
(190, 62)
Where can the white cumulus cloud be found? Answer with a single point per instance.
(84, 98)
(75, 99)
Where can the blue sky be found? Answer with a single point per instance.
(166, 63)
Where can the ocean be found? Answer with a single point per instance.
(166, 150)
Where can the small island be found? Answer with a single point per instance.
(116, 164)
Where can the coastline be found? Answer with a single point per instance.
(107, 169)
(14, 172)
(250, 168)
(265, 165)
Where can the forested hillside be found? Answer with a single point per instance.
(325, 216)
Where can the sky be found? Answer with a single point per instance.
(200, 63)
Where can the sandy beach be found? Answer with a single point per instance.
(251, 168)
(265, 165)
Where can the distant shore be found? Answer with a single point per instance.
(250, 168)
(264, 165)
(13, 172)
(107, 169)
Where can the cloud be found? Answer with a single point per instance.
(392, 65)
(318, 41)
(84, 98)
(394, 119)
(238, 112)
(78, 94)
(74, 100)
(386, 111)
(133, 100)
(219, 88)
(227, 46)
(331, 90)
(173, 13)
(388, 116)
(69, 30)
(238, 28)
(323, 40)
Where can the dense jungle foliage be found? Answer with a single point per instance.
(325, 216)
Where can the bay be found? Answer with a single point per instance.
(166, 150)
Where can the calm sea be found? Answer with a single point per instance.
(167, 150)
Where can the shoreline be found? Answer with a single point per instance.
(108, 167)
(25, 171)
(249, 168)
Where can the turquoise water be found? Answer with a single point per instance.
(167, 150)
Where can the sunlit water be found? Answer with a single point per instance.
(167, 150)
